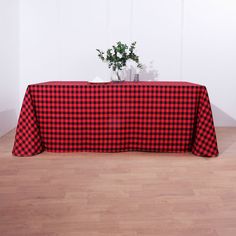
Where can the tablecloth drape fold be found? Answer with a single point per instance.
(27, 139)
(204, 138)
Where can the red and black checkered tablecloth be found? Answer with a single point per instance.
(115, 117)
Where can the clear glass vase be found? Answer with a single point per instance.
(117, 76)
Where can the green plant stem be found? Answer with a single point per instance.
(117, 73)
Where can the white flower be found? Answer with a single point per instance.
(119, 55)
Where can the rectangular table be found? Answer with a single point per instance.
(115, 117)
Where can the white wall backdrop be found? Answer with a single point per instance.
(58, 38)
(9, 63)
(209, 53)
(190, 40)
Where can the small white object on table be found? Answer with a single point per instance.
(98, 79)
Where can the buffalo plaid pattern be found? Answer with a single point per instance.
(115, 117)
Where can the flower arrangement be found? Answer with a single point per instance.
(118, 55)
